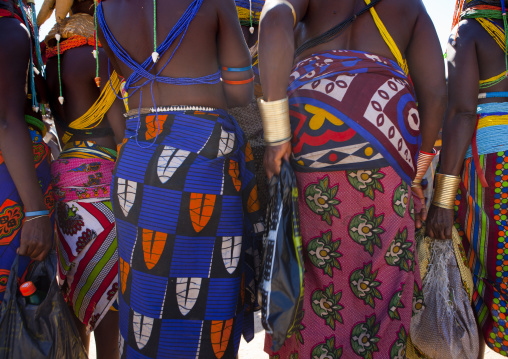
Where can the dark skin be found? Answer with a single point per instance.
(250, 39)
(15, 141)
(213, 39)
(78, 70)
(407, 22)
(475, 56)
(80, 92)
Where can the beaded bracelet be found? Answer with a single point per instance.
(32, 218)
(37, 213)
(241, 82)
(236, 69)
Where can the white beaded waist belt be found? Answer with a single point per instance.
(173, 108)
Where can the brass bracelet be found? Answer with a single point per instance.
(275, 117)
(422, 165)
(446, 190)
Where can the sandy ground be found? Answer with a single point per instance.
(254, 349)
(490, 354)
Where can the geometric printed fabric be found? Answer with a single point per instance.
(87, 246)
(359, 255)
(12, 213)
(481, 216)
(353, 110)
(185, 203)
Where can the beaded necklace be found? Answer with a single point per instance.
(249, 12)
(34, 67)
(96, 50)
(142, 71)
(70, 43)
(483, 14)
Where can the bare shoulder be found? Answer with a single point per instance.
(412, 8)
(14, 41)
(470, 29)
(222, 7)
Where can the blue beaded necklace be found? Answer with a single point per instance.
(141, 71)
(32, 69)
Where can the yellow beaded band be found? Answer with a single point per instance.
(275, 117)
(275, 3)
(422, 165)
(446, 190)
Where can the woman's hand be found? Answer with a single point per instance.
(419, 205)
(439, 223)
(273, 158)
(36, 238)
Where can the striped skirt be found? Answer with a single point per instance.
(482, 221)
(87, 246)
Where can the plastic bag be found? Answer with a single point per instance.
(446, 327)
(282, 274)
(43, 331)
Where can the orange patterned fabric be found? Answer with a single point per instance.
(188, 225)
(71, 43)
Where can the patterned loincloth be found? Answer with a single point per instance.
(355, 137)
(360, 288)
(351, 109)
(87, 249)
(185, 201)
(12, 213)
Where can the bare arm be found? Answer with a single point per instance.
(276, 55)
(426, 66)
(463, 87)
(15, 141)
(277, 46)
(233, 52)
(115, 112)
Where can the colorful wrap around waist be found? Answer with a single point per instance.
(371, 95)
(490, 134)
(83, 172)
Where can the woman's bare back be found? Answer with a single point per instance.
(213, 38)
(399, 17)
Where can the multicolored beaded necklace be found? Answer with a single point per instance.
(249, 12)
(483, 14)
